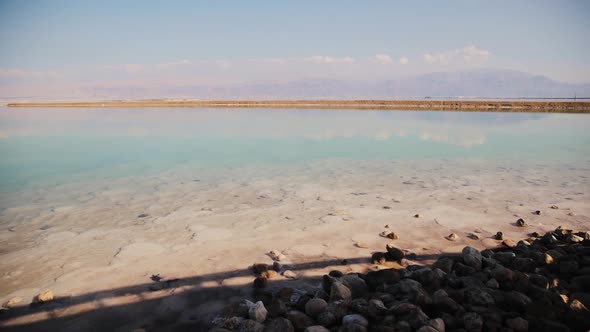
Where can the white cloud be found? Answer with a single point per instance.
(465, 54)
(328, 59)
(403, 60)
(173, 64)
(383, 59)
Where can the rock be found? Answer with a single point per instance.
(546, 325)
(452, 237)
(501, 274)
(276, 266)
(554, 207)
(376, 308)
(354, 322)
(572, 238)
(361, 245)
(389, 235)
(516, 300)
(335, 274)
(256, 311)
(299, 320)
(518, 324)
(472, 322)
(403, 326)
(13, 301)
(315, 306)
(277, 307)
(316, 328)
(258, 268)
(445, 264)
(276, 255)
(279, 324)
(290, 274)
(378, 258)
(44, 296)
(269, 274)
(493, 283)
(382, 277)
(509, 243)
(473, 236)
(333, 313)
(260, 282)
(339, 291)
(521, 223)
(538, 212)
(395, 253)
(472, 257)
(426, 328)
(438, 324)
(478, 297)
(504, 257)
(357, 286)
(251, 326)
(416, 215)
(499, 236)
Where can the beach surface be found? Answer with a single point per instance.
(97, 245)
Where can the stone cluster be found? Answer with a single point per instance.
(539, 284)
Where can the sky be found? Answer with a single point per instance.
(66, 47)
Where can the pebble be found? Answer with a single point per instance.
(416, 215)
(473, 236)
(389, 235)
(257, 311)
(13, 301)
(276, 255)
(269, 274)
(44, 296)
(521, 223)
(361, 245)
(452, 237)
(315, 306)
(538, 212)
(395, 253)
(290, 274)
(554, 207)
(499, 236)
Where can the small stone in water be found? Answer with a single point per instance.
(521, 223)
(452, 237)
(473, 236)
(389, 235)
(44, 296)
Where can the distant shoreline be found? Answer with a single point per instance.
(426, 105)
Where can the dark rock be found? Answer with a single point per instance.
(478, 297)
(538, 280)
(258, 268)
(339, 291)
(445, 264)
(464, 270)
(568, 267)
(382, 277)
(376, 308)
(545, 325)
(299, 320)
(316, 328)
(501, 274)
(335, 274)
(276, 308)
(524, 264)
(251, 326)
(378, 258)
(521, 223)
(504, 257)
(333, 313)
(279, 324)
(357, 286)
(354, 323)
(472, 322)
(395, 253)
(499, 236)
(516, 300)
(438, 324)
(315, 306)
(472, 257)
(518, 324)
(260, 282)
(403, 326)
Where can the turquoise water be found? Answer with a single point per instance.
(40, 147)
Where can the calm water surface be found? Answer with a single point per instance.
(49, 146)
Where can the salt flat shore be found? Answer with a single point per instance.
(107, 249)
(427, 104)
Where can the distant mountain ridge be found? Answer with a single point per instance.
(485, 83)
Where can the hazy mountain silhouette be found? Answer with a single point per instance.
(473, 83)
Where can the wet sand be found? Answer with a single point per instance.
(102, 241)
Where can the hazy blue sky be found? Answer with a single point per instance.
(118, 42)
